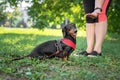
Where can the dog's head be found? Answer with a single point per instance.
(69, 30)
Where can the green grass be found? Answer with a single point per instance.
(20, 42)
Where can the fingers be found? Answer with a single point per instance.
(92, 15)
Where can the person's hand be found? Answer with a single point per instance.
(94, 14)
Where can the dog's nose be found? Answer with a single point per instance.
(75, 31)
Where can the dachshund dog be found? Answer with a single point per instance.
(61, 48)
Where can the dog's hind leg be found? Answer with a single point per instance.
(37, 55)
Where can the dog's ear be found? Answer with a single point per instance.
(64, 32)
(63, 26)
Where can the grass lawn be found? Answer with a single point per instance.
(20, 42)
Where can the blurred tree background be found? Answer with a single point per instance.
(46, 13)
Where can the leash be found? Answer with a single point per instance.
(59, 48)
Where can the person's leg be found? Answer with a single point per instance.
(101, 28)
(90, 36)
(90, 26)
(100, 32)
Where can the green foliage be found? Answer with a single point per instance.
(54, 12)
(3, 16)
(19, 42)
(114, 16)
(45, 13)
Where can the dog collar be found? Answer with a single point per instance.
(69, 43)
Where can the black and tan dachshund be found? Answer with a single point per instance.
(56, 48)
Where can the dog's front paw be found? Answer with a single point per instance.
(66, 59)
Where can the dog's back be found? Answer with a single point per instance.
(46, 48)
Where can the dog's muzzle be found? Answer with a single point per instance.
(75, 31)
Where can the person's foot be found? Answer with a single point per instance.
(94, 54)
(84, 53)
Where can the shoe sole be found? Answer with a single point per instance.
(91, 56)
(77, 55)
